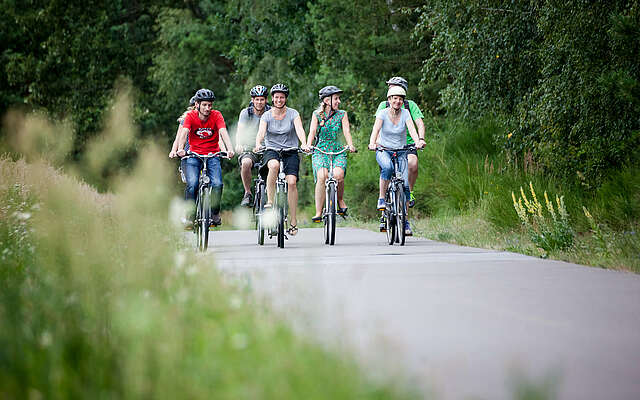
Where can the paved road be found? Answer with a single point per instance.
(458, 322)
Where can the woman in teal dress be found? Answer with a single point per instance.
(328, 121)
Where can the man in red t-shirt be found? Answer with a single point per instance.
(204, 126)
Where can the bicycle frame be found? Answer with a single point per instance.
(330, 199)
(203, 220)
(395, 210)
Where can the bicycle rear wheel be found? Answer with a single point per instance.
(401, 214)
(330, 220)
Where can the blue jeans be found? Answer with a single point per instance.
(191, 168)
(385, 162)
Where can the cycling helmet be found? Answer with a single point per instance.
(258, 91)
(280, 87)
(396, 91)
(399, 81)
(205, 95)
(328, 91)
(192, 101)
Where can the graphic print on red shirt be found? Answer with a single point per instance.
(203, 135)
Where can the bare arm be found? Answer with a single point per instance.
(240, 136)
(226, 141)
(420, 125)
(297, 123)
(312, 130)
(182, 139)
(374, 134)
(262, 131)
(346, 131)
(174, 147)
(414, 134)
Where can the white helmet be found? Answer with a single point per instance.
(396, 91)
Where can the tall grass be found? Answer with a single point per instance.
(99, 298)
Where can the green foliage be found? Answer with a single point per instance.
(561, 76)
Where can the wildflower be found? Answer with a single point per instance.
(509, 135)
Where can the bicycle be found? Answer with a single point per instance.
(202, 221)
(280, 204)
(259, 201)
(329, 213)
(395, 212)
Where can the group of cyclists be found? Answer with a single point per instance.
(269, 129)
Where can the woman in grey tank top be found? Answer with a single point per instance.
(389, 131)
(281, 128)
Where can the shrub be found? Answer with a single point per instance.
(548, 230)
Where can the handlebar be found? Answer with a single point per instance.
(329, 153)
(263, 149)
(221, 154)
(405, 148)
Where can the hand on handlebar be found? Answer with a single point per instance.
(305, 148)
(352, 149)
(173, 154)
(372, 146)
(230, 153)
(181, 153)
(420, 144)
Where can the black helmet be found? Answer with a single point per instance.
(280, 87)
(258, 91)
(328, 91)
(400, 81)
(192, 100)
(205, 95)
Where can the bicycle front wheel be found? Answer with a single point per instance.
(203, 219)
(390, 219)
(258, 211)
(401, 214)
(330, 221)
(281, 216)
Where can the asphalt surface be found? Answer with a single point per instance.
(456, 322)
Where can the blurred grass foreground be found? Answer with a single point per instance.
(98, 299)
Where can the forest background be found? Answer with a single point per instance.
(513, 91)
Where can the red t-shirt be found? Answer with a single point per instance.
(203, 135)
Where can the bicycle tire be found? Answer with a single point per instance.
(390, 219)
(206, 219)
(259, 207)
(281, 214)
(401, 214)
(330, 222)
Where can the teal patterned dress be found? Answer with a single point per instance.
(327, 140)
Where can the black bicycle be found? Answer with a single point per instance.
(258, 203)
(203, 221)
(395, 212)
(329, 213)
(280, 205)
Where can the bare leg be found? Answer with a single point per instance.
(338, 174)
(322, 177)
(413, 169)
(384, 184)
(292, 197)
(274, 170)
(245, 174)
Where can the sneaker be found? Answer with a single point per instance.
(381, 205)
(412, 200)
(407, 228)
(187, 224)
(383, 225)
(216, 220)
(247, 200)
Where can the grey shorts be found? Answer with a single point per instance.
(255, 158)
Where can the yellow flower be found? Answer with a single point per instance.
(509, 135)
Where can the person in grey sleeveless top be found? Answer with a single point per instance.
(281, 128)
(248, 123)
(390, 131)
